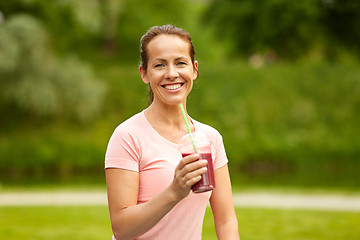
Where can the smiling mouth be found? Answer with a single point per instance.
(172, 86)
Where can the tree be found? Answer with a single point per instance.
(35, 81)
(291, 29)
(341, 20)
(72, 23)
(113, 25)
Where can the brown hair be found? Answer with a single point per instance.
(156, 31)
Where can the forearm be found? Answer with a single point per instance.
(225, 219)
(228, 230)
(138, 219)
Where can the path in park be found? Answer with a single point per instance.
(329, 202)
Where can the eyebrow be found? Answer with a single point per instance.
(183, 57)
(176, 59)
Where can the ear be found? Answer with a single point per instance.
(143, 75)
(196, 65)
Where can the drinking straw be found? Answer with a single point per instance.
(188, 127)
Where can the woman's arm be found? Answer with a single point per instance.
(222, 206)
(128, 219)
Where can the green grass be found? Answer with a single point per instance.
(92, 223)
(275, 224)
(54, 223)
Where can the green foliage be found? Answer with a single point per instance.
(341, 22)
(52, 155)
(293, 123)
(72, 24)
(287, 121)
(290, 29)
(138, 16)
(35, 81)
(112, 26)
(284, 27)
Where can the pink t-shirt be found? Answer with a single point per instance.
(136, 146)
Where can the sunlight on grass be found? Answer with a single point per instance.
(274, 224)
(54, 223)
(255, 224)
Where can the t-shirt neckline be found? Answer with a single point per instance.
(158, 134)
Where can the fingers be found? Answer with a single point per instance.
(191, 168)
(192, 177)
(187, 173)
(188, 159)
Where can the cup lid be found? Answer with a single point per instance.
(197, 137)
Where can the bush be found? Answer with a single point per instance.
(44, 155)
(285, 121)
(282, 124)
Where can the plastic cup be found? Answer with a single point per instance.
(200, 144)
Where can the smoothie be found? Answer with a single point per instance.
(207, 182)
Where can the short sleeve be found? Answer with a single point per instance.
(220, 158)
(123, 150)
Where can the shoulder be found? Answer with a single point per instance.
(132, 124)
(129, 130)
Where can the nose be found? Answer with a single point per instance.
(171, 72)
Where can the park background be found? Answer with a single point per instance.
(279, 79)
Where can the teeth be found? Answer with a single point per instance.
(173, 86)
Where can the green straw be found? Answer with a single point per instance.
(188, 127)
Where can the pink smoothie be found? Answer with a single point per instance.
(207, 181)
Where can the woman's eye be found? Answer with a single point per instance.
(159, 65)
(181, 63)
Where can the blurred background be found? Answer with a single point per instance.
(279, 79)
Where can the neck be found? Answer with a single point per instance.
(166, 116)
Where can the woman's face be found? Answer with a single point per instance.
(170, 71)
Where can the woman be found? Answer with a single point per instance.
(148, 181)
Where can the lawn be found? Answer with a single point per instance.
(92, 223)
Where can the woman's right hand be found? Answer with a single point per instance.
(187, 173)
